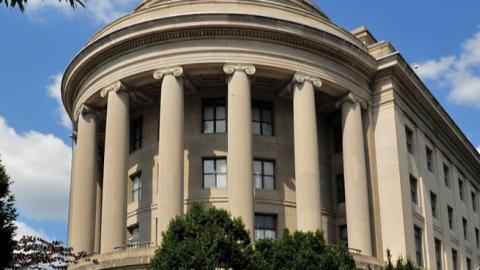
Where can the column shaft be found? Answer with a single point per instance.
(170, 182)
(83, 208)
(239, 159)
(355, 174)
(114, 198)
(307, 172)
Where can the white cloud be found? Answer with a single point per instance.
(103, 11)
(25, 230)
(54, 90)
(460, 73)
(39, 165)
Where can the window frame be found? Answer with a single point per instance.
(451, 217)
(455, 259)
(414, 189)
(263, 106)
(438, 253)
(418, 237)
(214, 159)
(474, 202)
(433, 204)
(340, 187)
(446, 175)
(215, 103)
(429, 159)
(477, 238)
(263, 175)
(138, 189)
(131, 229)
(264, 229)
(465, 228)
(409, 140)
(461, 189)
(136, 134)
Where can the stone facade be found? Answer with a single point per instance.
(272, 111)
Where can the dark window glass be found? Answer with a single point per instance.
(450, 217)
(414, 189)
(338, 138)
(461, 187)
(136, 127)
(264, 174)
(438, 253)
(469, 264)
(136, 188)
(454, 259)
(429, 153)
(215, 173)
(343, 233)
(418, 245)
(340, 188)
(446, 175)
(433, 202)
(474, 202)
(262, 118)
(477, 237)
(409, 138)
(265, 226)
(465, 228)
(214, 116)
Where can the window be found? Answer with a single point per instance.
(418, 245)
(214, 116)
(438, 254)
(465, 228)
(136, 127)
(477, 237)
(343, 233)
(454, 259)
(215, 173)
(409, 138)
(136, 187)
(265, 226)
(414, 189)
(262, 118)
(433, 202)
(133, 241)
(469, 264)
(340, 188)
(461, 192)
(474, 201)
(338, 138)
(446, 175)
(264, 174)
(450, 216)
(429, 153)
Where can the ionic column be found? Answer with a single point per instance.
(114, 198)
(355, 174)
(170, 182)
(307, 171)
(84, 184)
(239, 158)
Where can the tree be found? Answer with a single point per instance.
(301, 250)
(21, 3)
(401, 263)
(8, 214)
(206, 239)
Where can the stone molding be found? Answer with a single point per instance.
(158, 74)
(115, 87)
(300, 78)
(249, 69)
(351, 97)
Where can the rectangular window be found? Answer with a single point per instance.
(454, 259)
(461, 187)
(215, 173)
(136, 127)
(262, 118)
(214, 116)
(409, 138)
(264, 174)
(469, 264)
(136, 187)
(133, 231)
(418, 245)
(265, 226)
(337, 138)
(446, 175)
(343, 233)
(477, 237)
(414, 189)
(465, 228)
(438, 254)
(450, 217)
(429, 153)
(433, 202)
(340, 188)
(474, 202)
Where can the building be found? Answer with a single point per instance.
(272, 111)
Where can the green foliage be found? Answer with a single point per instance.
(205, 239)
(301, 250)
(400, 264)
(8, 214)
(211, 239)
(21, 3)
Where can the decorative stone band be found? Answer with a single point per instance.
(302, 77)
(116, 86)
(351, 97)
(247, 68)
(158, 74)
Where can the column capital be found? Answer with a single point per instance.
(84, 110)
(352, 98)
(247, 68)
(116, 86)
(158, 74)
(300, 77)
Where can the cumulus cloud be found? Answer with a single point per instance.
(25, 230)
(54, 91)
(460, 73)
(102, 11)
(39, 165)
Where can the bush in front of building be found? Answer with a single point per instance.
(209, 238)
(400, 264)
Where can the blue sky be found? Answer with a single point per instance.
(443, 37)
